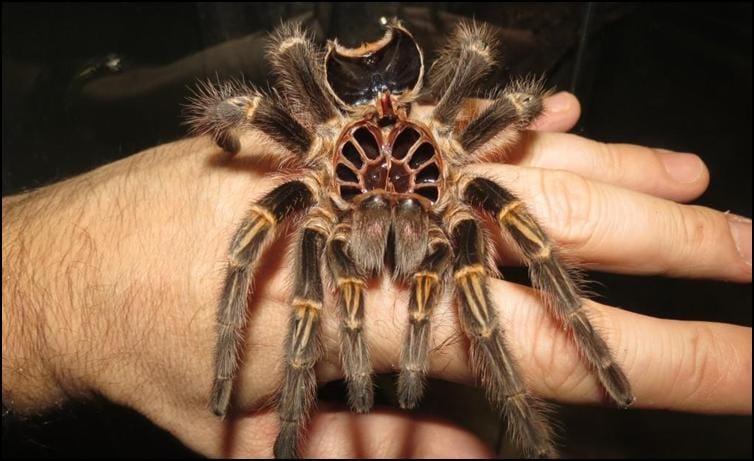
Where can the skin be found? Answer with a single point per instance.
(111, 281)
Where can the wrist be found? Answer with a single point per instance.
(32, 376)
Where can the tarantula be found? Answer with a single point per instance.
(383, 192)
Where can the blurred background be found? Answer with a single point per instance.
(86, 84)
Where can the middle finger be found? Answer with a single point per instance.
(611, 228)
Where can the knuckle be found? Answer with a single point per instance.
(559, 363)
(697, 374)
(569, 207)
(695, 229)
(556, 359)
(609, 162)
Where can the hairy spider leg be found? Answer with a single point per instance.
(550, 275)
(226, 110)
(354, 353)
(426, 290)
(256, 231)
(460, 68)
(491, 359)
(510, 112)
(295, 59)
(302, 346)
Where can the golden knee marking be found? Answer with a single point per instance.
(526, 227)
(251, 108)
(486, 332)
(320, 221)
(430, 275)
(306, 304)
(481, 48)
(352, 325)
(470, 281)
(515, 102)
(520, 100)
(544, 253)
(306, 308)
(262, 220)
(289, 42)
(419, 316)
(350, 290)
(260, 211)
(423, 285)
(307, 314)
(350, 281)
(507, 209)
(467, 270)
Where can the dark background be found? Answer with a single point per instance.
(84, 85)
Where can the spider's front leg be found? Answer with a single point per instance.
(295, 59)
(302, 347)
(226, 110)
(460, 68)
(426, 290)
(491, 359)
(550, 275)
(254, 233)
(458, 73)
(509, 113)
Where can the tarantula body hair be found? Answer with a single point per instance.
(382, 190)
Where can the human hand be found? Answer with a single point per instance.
(111, 281)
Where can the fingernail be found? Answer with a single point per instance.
(684, 168)
(740, 229)
(559, 102)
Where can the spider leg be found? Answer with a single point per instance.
(226, 110)
(302, 346)
(550, 275)
(297, 63)
(353, 349)
(254, 233)
(491, 359)
(461, 66)
(510, 112)
(426, 289)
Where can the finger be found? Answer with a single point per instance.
(676, 176)
(679, 365)
(561, 112)
(616, 229)
(339, 433)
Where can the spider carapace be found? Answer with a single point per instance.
(384, 189)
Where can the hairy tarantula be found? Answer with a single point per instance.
(383, 191)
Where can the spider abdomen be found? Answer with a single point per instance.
(401, 160)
